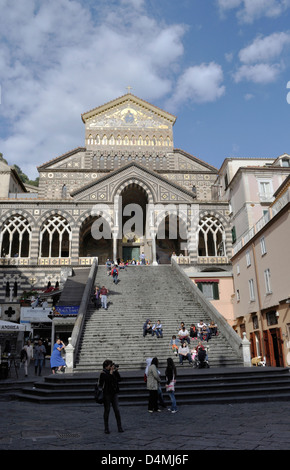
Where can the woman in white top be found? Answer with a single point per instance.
(29, 351)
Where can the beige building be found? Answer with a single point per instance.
(261, 263)
(249, 185)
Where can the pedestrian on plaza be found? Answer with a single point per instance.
(170, 376)
(39, 355)
(153, 381)
(109, 381)
(56, 359)
(160, 394)
(115, 274)
(28, 348)
(104, 297)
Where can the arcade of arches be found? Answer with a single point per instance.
(97, 236)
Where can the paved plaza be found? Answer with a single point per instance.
(256, 426)
(26, 426)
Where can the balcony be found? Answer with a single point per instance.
(273, 210)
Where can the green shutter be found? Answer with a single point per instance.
(215, 289)
(199, 285)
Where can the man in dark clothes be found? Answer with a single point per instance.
(109, 380)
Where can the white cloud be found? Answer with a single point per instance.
(265, 49)
(261, 60)
(251, 10)
(61, 58)
(199, 84)
(258, 73)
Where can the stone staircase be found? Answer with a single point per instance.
(74, 287)
(142, 292)
(155, 293)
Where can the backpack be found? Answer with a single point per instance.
(201, 354)
(99, 392)
(23, 355)
(99, 395)
(115, 271)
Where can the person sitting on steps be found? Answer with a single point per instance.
(157, 328)
(147, 328)
(184, 353)
(183, 335)
(175, 343)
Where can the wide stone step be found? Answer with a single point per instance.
(193, 386)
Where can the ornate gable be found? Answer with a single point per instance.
(159, 190)
(128, 122)
(72, 160)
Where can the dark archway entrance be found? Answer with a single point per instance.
(171, 236)
(92, 247)
(134, 207)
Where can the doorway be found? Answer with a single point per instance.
(131, 252)
(274, 347)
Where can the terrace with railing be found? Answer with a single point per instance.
(274, 209)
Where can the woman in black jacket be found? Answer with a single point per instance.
(109, 380)
(170, 376)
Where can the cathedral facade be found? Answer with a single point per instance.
(126, 193)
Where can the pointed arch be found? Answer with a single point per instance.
(15, 237)
(55, 237)
(211, 236)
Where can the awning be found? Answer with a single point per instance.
(207, 280)
(10, 326)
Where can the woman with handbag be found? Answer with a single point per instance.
(170, 375)
(153, 381)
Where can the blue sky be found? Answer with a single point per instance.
(221, 66)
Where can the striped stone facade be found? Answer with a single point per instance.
(128, 155)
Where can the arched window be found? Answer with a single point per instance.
(55, 238)
(15, 237)
(211, 237)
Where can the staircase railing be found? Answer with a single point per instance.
(72, 347)
(234, 340)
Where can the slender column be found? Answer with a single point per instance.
(115, 234)
(153, 238)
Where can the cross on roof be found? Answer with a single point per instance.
(129, 88)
